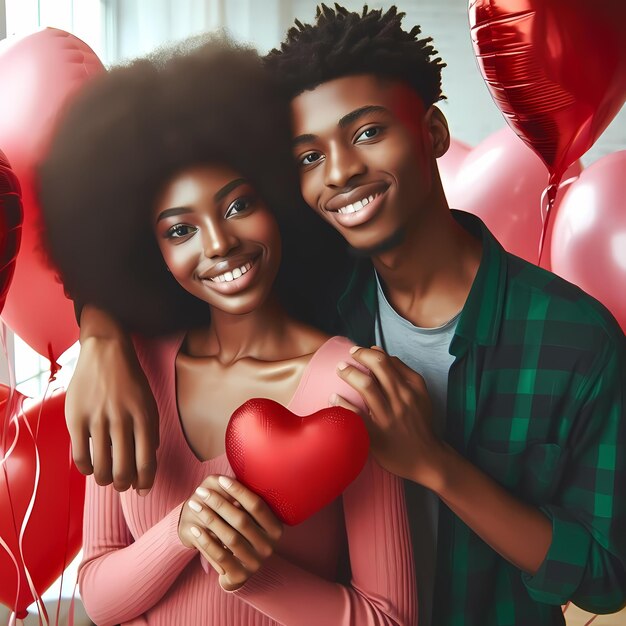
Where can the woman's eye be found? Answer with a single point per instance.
(369, 133)
(310, 158)
(237, 206)
(179, 230)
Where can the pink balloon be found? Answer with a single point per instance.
(450, 163)
(589, 237)
(501, 181)
(38, 74)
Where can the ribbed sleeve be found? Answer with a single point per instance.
(135, 573)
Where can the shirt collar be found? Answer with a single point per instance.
(482, 313)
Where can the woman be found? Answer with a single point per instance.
(156, 194)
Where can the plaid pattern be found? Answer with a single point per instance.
(536, 400)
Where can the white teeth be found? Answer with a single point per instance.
(358, 205)
(228, 277)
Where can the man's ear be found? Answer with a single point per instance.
(438, 128)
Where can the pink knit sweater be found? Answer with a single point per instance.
(136, 571)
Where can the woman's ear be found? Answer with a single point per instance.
(438, 128)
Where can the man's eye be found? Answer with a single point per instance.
(309, 159)
(369, 133)
(237, 206)
(179, 230)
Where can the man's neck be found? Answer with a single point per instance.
(428, 276)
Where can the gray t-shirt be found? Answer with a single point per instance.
(424, 350)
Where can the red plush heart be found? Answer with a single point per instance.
(296, 464)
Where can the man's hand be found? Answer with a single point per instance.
(109, 400)
(403, 442)
(400, 415)
(231, 527)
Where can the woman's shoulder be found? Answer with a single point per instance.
(154, 353)
(322, 379)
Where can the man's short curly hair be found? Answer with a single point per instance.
(343, 43)
(125, 135)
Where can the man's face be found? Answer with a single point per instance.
(364, 149)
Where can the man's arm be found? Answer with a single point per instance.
(110, 402)
(404, 443)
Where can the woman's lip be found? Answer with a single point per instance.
(237, 284)
(368, 212)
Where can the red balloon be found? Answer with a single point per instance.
(555, 68)
(53, 532)
(38, 74)
(10, 224)
(298, 465)
(589, 237)
(501, 181)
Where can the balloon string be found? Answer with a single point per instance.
(67, 538)
(40, 605)
(548, 198)
(70, 617)
(11, 506)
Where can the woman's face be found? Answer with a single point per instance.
(218, 238)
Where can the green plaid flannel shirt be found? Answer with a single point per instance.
(536, 400)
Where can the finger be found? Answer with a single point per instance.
(101, 444)
(123, 454)
(80, 446)
(212, 550)
(410, 375)
(145, 454)
(369, 389)
(254, 505)
(378, 362)
(230, 537)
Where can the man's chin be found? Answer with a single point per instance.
(391, 242)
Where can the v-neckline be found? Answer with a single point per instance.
(180, 429)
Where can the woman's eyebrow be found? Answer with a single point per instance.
(179, 210)
(228, 187)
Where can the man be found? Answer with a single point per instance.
(511, 436)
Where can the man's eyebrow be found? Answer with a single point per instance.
(346, 120)
(353, 116)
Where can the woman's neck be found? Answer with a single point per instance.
(263, 334)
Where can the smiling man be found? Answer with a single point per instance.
(497, 389)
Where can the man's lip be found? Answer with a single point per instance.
(229, 265)
(358, 193)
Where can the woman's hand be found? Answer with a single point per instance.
(232, 527)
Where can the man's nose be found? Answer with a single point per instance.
(343, 163)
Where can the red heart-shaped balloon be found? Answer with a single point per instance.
(39, 74)
(296, 464)
(36, 442)
(555, 68)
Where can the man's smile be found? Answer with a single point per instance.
(357, 206)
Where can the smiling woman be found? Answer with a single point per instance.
(182, 219)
